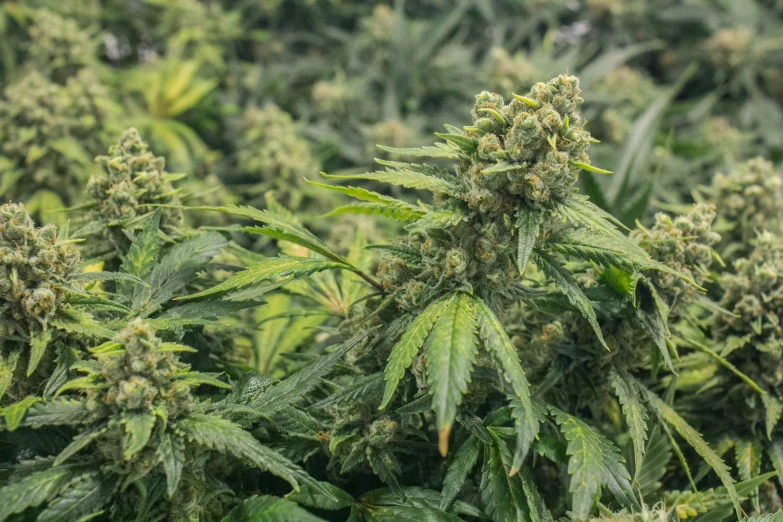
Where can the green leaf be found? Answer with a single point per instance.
(588, 167)
(79, 442)
(566, 283)
(451, 350)
(692, 437)
(375, 203)
(311, 497)
(410, 504)
(459, 468)
(439, 150)
(293, 388)
(143, 253)
(74, 320)
(407, 175)
(408, 346)
(15, 412)
(528, 225)
(468, 145)
(36, 489)
(654, 465)
(586, 465)
(38, 344)
(226, 437)
(749, 455)
(635, 414)
(171, 454)
(83, 496)
(269, 509)
(138, 429)
(197, 379)
(502, 495)
(281, 224)
(504, 353)
(283, 266)
(7, 367)
(57, 412)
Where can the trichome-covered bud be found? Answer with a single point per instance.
(525, 149)
(683, 243)
(132, 177)
(747, 201)
(273, 156)
(139, 376)
(43, 127)
(752, 293)
(34, 273)
(58, 45)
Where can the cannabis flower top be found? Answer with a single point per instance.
(272, 155)
(34, 272)
(747, 201)
(138, 376)
(59, 45)
(132, 177)
(45, 127)
(525, 149)
(683, 243)
(753, 294)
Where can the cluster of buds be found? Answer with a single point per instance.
(526, 150)
(747, 201)
(132, 177)
(58, 45)
(752, 293)
(34, 273)
(273, 156)
(685, 244)
(139, 376)
(37, 113)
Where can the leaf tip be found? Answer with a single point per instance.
(443, 440)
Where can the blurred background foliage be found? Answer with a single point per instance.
(255, 95)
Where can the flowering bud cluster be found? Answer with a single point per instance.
(748, 201)
(139, 378)
(34, 273)
(37, 114)
(752, 292)
(524, 148)
(273, 156)
(132, 177)
(58, 45)
(685, 244)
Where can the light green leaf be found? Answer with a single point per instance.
(35, 489)
(143, 254)
(459, 468)
(407, 175)
(38, 345)
(270, 509)
(171, 454)
(15, 412)
(635, 414)
(7, 367)
(586, 465)
(79, 442)
(274, 267)
(566, 283)
(408, 346)
(528, 224)
(496, 341)
(451, 350)
(692, 437)
(138, 429)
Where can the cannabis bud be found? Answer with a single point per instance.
(59, 45)
(747, 201)
(41, 124)
(132, 177)
(273, 156)
(138, 376)
(752, 294)
(526, 148)
(684, 244)
(34, 273)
